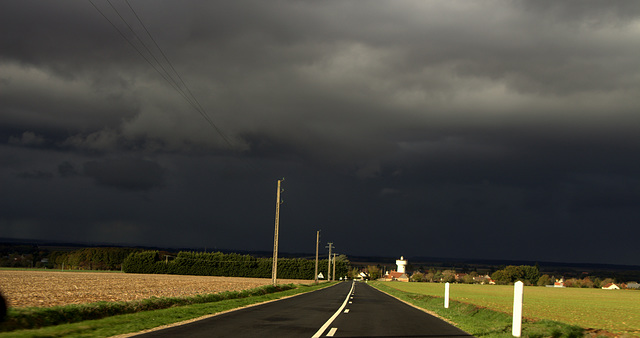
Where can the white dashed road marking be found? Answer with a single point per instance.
(335, 315)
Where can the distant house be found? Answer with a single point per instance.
(396, 275)
(559, 283)
(610, 286)
(483, 279)
(633, 285)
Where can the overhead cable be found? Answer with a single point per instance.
(180, 86)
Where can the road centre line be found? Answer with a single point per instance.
(332, 332)
(335, 315)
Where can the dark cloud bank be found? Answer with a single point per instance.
(501, 130)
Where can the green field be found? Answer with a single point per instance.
(616, 311)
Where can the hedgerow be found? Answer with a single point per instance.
(230, 265)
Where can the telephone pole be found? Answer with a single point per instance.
(330, 246)
(334, 266)
(274, 271)
(317, 243)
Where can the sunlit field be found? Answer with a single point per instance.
(616, 311)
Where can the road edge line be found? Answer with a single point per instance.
(188, 321)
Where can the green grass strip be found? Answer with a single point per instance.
(479, 321)
(105, 319)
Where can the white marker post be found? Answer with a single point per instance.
(518, 292)
(446, 295)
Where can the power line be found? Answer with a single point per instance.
(190, 97)
(186, 93)
(163, 55)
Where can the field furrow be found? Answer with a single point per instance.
(24, 288)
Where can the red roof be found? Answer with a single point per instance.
(395, 274)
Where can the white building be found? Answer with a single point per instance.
(402, 264)
(611, 286)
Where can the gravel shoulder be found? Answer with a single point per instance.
(50, 288)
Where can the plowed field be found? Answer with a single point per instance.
(49, 288)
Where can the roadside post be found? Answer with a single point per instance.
(446, 295)
(518, 293)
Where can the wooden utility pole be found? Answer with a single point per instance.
(330, 246)
(334, 266)
(274, 272)
(317, 243)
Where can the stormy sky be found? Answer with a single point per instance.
(470, 129)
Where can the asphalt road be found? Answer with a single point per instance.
(344, 310)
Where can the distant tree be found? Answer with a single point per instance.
(354, 273)
(597, 282)
(438, 276)
(417, 277)
(448, 276)
(500, 277)
(468, 279)
(530, 274)
(586, 283)
(514, 273)
(510, 274)
(429, 276)
(544, 280)
(374, 272)
(572, 283)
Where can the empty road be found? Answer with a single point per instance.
(347, 309)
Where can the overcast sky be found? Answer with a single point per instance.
(469, 129)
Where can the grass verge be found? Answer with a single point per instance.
(105, 319)
(599, 311)
(479, 321)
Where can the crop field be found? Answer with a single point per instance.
(616, 311)
(25, 288)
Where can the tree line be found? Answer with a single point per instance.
(528, 274)
(230, 265)
(90, 258)
(31, 256)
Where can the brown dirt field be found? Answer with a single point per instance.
(50, 288)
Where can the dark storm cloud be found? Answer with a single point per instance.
(515, 116)
(66, 169)
(27, 139)
(39, 175)
(128, 174)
